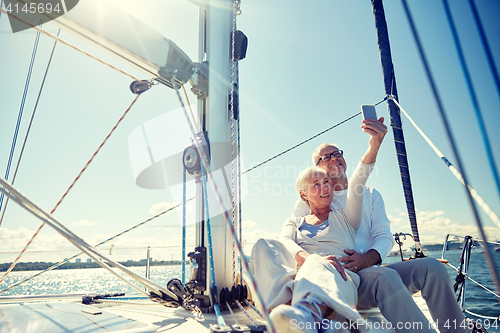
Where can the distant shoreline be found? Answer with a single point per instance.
(40, 266)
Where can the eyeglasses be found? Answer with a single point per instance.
(327, 157)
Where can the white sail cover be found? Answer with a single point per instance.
(111, 28)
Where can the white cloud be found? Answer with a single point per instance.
(21, 232)
(251, 237)
(248, 224)
(83, 223)
(397, 221)
(161, 207)
(255, 235)
(433, 226)
(13, 241)
(52, 247)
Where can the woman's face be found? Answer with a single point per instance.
(319, 190)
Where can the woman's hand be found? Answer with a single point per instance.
(301, 257)
(338, 266)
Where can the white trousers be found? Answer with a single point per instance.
(279, 282)
(389, 288)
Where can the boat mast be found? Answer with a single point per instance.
(397, 129)
(218, 121)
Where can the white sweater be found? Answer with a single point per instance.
(343, 223)
(374, 231)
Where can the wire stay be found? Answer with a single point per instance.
(480, 201)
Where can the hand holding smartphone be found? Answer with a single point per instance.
(368, 112)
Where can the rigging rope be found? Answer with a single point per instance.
(305, 141)
(29, 126)
(232, 314)
(480, 201)
(99, 244)
(21, 108)
(238, 172)
(245, 312)
(204, 162)
(183, 251)
(70, 187)
(6, 321)
(95, 153)
(477, 283)
(213, 289)
(231, 96)
(70, 45)
(444, 118)
(89, 250)
(480, 285)
(115, 248)
(472, 93)
(253, 308)
(481, 316)
(486, 46)
(189, 104)
(299, 144)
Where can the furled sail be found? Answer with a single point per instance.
(399, 140)
(106, 25)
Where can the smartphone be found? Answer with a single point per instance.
(368, 112)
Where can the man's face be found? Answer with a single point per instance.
(336, 166)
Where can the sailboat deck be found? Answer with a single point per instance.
(69, 315)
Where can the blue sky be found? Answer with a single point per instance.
(308, 66)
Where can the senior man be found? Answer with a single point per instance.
(389, 287)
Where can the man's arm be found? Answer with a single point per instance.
(382, 239)
(381, 242)
(356, 261)
(300, 209)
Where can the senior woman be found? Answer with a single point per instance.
(314, 241)
(302, 265)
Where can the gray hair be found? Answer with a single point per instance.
(301, 181)
(315, 156)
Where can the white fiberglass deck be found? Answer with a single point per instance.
(69, 315)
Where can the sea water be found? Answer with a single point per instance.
(97, 280)
(87, 280)
(477, 299)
